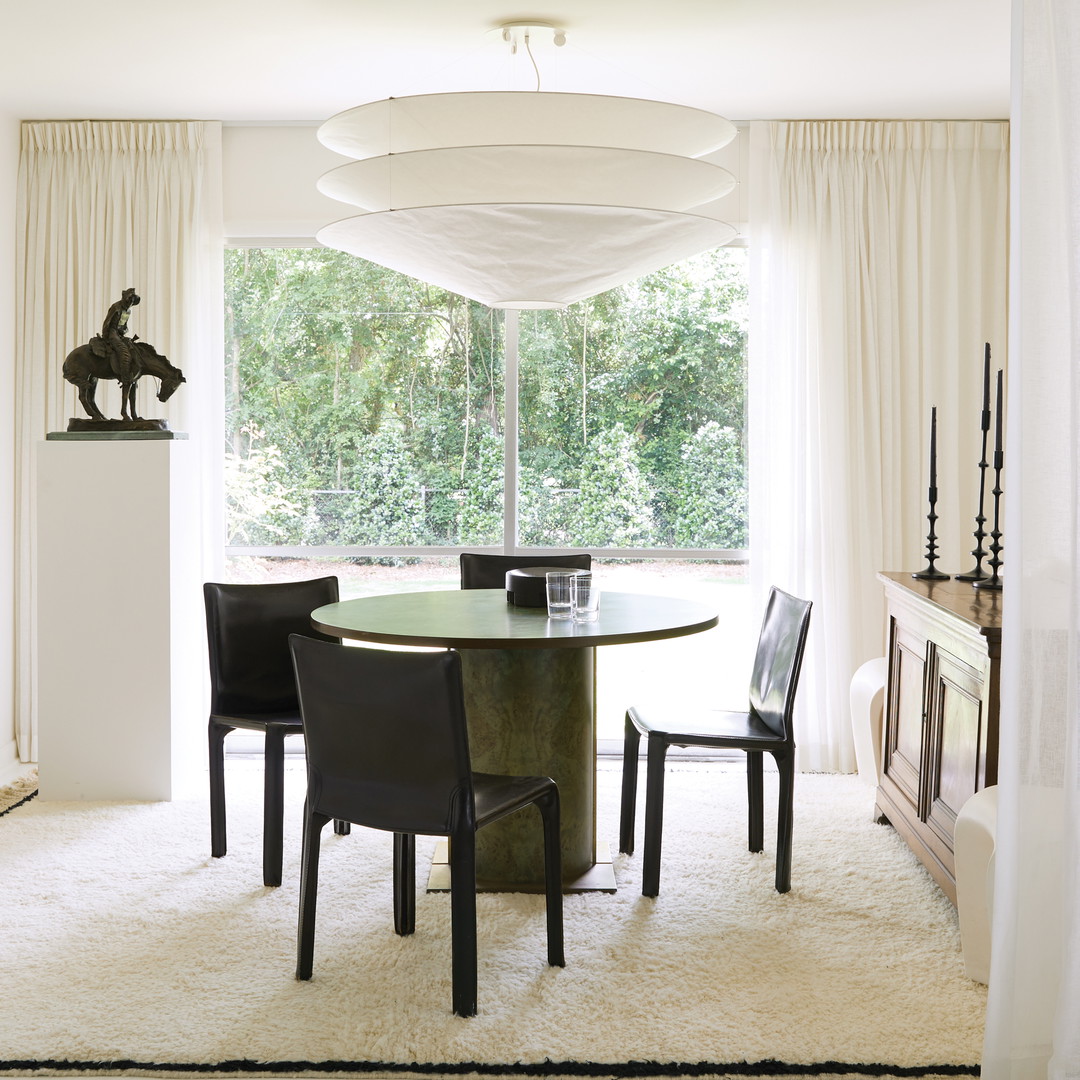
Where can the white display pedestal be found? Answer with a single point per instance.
(120, 665)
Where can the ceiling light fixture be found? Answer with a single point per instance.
(526, 199)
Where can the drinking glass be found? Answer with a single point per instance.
(559, 594)
(585, 597)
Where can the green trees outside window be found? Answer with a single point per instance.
(364, 408)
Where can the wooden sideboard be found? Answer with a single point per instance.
(940, 740)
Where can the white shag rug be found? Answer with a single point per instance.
(127, 948)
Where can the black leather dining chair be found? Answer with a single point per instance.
(252, 688)
(480, 570)
(388, 748)
(765, 727)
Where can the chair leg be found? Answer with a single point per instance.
(309, 888)
(216, 737)
(755, 798)
(341, 827)
(785, 764)
(404, 883)
(273, 804)
(654, 815)
(463, 920)
(628, 807)
(549, 811)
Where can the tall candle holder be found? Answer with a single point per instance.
(931, 573)
(977, 573)
(994, 580)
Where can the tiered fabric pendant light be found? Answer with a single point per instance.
(522, 199)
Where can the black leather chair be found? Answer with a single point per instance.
(252, 687)
(387, 747)
(765, 727)
(483, 571)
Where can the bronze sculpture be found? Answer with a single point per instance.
(113, 355)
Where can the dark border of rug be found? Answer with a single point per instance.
(22, 802)
(542, 1068)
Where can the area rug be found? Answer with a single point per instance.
(20, 791)
(128, 950)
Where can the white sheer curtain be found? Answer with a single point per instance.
(878, 272)
(1032, 1027)
(103, 206)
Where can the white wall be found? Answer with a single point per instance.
(270, 175)
(9, 164)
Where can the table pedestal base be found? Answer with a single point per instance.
(533, 712)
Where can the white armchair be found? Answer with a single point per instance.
(867, 706)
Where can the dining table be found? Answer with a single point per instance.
(530, 700)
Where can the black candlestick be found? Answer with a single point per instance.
(994, 580)
(931, 572)
(977, 573)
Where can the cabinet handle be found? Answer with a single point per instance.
(927, 654)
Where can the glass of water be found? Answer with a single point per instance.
(559, 594)
(585, 598)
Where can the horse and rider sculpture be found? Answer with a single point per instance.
(113, 355)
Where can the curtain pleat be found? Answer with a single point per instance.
(878, 271)
(102, 206)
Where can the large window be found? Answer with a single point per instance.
(368, 410)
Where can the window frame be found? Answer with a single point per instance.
(511, 428)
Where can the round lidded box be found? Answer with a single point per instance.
(527, 586)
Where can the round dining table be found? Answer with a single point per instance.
(530, 702)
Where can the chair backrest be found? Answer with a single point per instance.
(483, 571)
(247, 633)
(778, 660)
(385, 736)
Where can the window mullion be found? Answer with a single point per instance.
(511, 322)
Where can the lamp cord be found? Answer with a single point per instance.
(532, 59)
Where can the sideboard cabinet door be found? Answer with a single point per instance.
(957, 696)
(904, 744)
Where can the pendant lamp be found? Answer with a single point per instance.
(526, 199)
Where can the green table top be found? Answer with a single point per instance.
(482, 619)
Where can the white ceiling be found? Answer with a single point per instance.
(299, 61)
